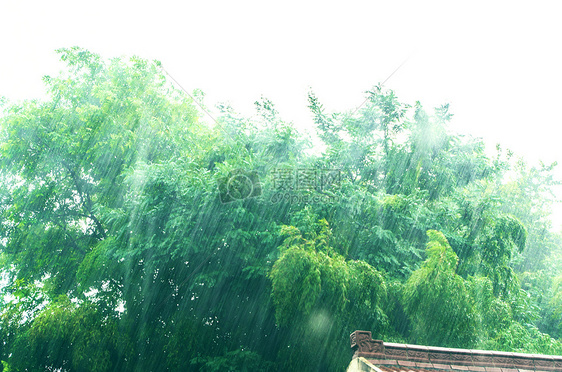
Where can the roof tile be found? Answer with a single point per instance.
(460, 368)
(476, 369)
(417, 358)
(406, 363)
(441, 366)
(424, 365)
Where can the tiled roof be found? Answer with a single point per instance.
(391, 357)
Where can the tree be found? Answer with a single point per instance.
(437, 299)
(319, 294)
(129, 240)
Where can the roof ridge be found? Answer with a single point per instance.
(439, 357)
(440, 348)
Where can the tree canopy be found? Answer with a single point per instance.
(137, 235)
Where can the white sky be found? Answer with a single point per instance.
(498, 64)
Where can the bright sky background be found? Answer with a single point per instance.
(499, 64)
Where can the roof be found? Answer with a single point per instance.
(379, 356)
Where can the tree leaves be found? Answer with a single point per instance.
(437, 300)
(113, 236)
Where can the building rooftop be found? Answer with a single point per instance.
(379, 356)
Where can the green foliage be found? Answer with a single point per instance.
(236, 360)
(118, 253)
(519, 338)
(316, 287)
(310, 275)
(73, 336)
(437, 299)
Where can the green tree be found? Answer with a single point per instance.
(319, 294)
(119, 251)
(437, 299)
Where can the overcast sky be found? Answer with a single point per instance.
(498, 64)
